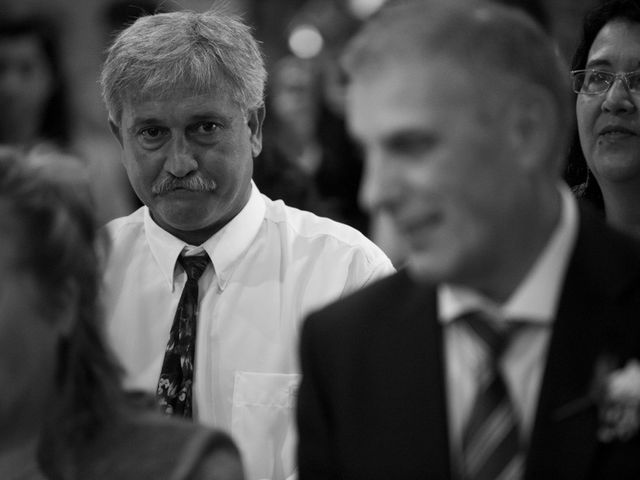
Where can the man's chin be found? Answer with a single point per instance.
(429, 267)
(186, 221)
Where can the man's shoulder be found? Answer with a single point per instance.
(383, 299)
(123, 237)
(305, 227)
(356, 325)
(120, 226)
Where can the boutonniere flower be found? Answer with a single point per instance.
(617, 394)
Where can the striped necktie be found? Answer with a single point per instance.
(174, 391)
(490, 442)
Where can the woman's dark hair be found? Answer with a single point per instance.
(46, 210)
(577, 172)
(55, 125)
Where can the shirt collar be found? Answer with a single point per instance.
(537, 296)
(224, 247)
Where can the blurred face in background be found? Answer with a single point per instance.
(295, 95)
(609, 122)
(26, 85)
(439, 164)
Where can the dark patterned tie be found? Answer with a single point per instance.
(176, 377)
(490, 441)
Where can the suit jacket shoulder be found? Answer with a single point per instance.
(371, 401)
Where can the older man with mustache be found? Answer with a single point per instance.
(206, 284)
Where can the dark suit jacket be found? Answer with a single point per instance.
(372, 400)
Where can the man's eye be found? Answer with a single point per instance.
(151, 133)
(206, 132)
(152, 137)
(205, 128)
(412, 145)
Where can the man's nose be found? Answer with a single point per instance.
(181, 159)
(618, 99)
(377, 185)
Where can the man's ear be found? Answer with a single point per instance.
(255, 119)
(533, 122)
(115, 129)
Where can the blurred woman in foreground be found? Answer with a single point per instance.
(62, 412)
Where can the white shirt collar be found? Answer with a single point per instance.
(224, 247)
(537, 296)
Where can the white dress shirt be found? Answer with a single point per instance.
(272, 264)
(535, 300)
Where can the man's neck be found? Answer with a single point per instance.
(523, 250)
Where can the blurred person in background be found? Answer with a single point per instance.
(306, 124)
(36, 113)
(33, 88)
(290, 156)
(308, 160)
(63, 414)
(206, 285)
(605, 154)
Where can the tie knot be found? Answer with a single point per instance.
(494, 334)
(194, 265)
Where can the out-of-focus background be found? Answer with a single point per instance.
(84, 30)
(308, 159)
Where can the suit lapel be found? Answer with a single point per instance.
(565, 426)
(420, 313)
(564, 439)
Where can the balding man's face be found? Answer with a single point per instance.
(438, 165)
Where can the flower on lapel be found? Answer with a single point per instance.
(619, 401)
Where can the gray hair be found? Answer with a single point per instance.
(482, 36)
(161, 53)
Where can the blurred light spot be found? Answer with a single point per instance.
(363, 8)
(305, 41)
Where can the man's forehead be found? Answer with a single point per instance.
(405, 83)
(193, 102)
(170, 92)
(136, 94)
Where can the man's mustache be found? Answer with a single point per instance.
(194, 184)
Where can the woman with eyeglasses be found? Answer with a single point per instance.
(606, 78)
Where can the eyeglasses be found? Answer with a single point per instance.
(595, 82)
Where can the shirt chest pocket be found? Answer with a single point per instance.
(262, 422)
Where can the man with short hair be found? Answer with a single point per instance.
(184, 92)
(494, 354)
